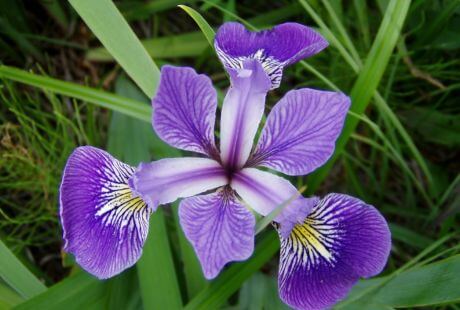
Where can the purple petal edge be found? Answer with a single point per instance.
(220, 229)
(301, 130)
(342, 240)
(104, 224)
(274, 48)
(184, 110)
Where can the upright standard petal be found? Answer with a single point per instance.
(275, 48)
(220, 229)
(241, 113)
(342, 240)
(300, 133)
(165, 180)
(264, 191)
(184, 110)
(104, 224)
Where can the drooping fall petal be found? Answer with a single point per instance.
(104, 224)
(341, 240)
(220, 229)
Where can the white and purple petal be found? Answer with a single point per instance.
(341, 240)
(184, 110)
(274, 48)
(264, 191)
(220, 229)
(242, 111)
(300, 133)
(104, 224)
(165, 180)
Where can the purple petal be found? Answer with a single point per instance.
(300, 133)
(342, 240)
(185, 110)
(220, 229)
(241, 113)
(104, 225)
(164, 181)
(275, 48)
(264, 191)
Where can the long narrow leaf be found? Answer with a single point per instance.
(219, 290)
(201, 22)
(107, 23)
(433, 284)
(157, 277)
(80, 291)
(193, 273)
(103, 99)
(16, 275)
(368, 79)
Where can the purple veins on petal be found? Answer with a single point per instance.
(274, 48)
(341, 240)
(220, 229)
(300, 133)
(184, 110)
(104, 224)
(264, 191)
(165, 180)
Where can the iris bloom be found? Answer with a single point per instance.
(326, 244)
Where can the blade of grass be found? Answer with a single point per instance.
(182, 45)
(356, 64)
(107, 23)
(8, 297)
(201, 22)
(157, 277)
(103, 99)
(80, 291)
(13, 272)
(429, 285)
(229, 281)
(368, 79)
(194, 278)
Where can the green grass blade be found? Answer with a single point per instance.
(80, 291)
(176, 46)
(201, 22)
(355, 63)
(229, 281)
(13, 272)
(8, 297)
(103, 99)
(194, 277)
(157, 276)
(368, 79)
(107, 23)
(429, 285)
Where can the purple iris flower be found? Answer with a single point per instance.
(326, 245)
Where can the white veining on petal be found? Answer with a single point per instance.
(272, 67)
(315, 241)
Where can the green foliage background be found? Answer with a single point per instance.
(82, 72)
